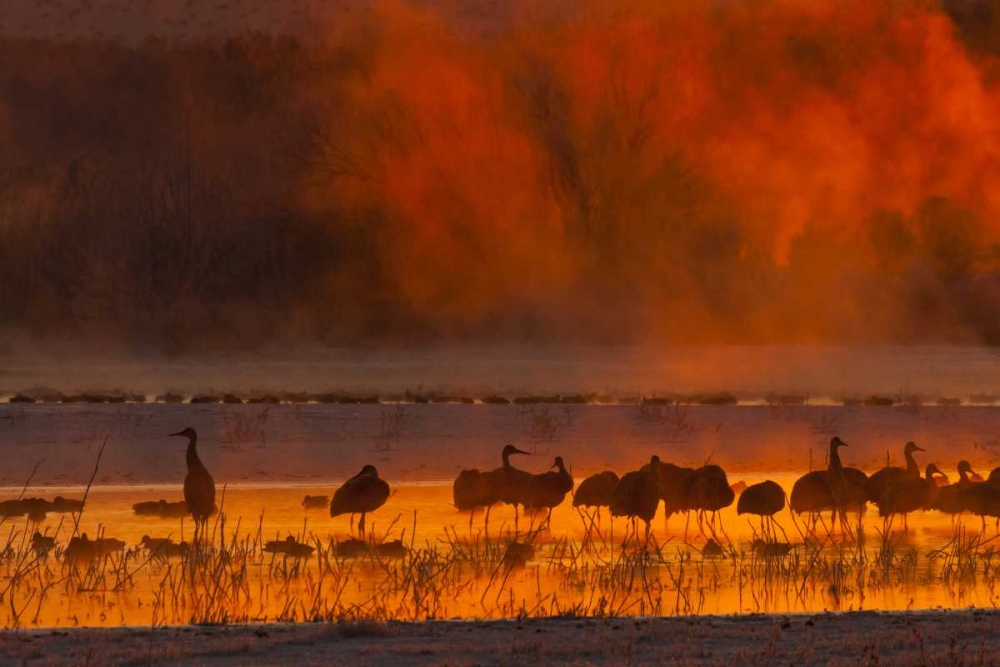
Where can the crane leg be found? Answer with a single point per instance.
(361, 525)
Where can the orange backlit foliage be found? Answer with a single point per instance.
(584, 172)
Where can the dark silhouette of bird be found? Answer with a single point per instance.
(709, 489)
(674, 484)
(708, 492)
(474, 489)
(163, 548)
(951, 499)
(511, 483)
(82, 548)
(391, 549)
(595, 491)
(161, 508)
(833, 489)
(637, 495)
(983, 499)
(549, 489)
(763, 499)
(289, 547)
(199, 487)
(363, 493)
(42, 544)
(315, 502)
(880, 480)
(910, 495)
(61, 505)
(812, 494)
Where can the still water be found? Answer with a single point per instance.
(265, 459)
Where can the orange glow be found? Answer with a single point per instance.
(543, 586)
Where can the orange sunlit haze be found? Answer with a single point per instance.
(592, 172)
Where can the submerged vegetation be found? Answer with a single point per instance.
(236, 576)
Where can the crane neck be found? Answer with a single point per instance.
(192, 453)
(911, 464)
(506, 460)
(835, 464)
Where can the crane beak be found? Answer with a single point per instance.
(918, 449)
(521, 451)
(171, 435)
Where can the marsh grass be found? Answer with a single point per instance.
(614, 571)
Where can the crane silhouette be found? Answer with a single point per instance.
(363, 493)
(836, 489)
(595, 491)
(549, 489)
(889, 475)
(909, 495)
(474, 488)
(763, 500)
(199, 487)
(952, 499)
(637, 495)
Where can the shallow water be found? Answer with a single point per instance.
(433, 442)
(265, 459)
(678, 579)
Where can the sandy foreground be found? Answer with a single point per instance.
(875, 638)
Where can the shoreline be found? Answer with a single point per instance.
(969, 636)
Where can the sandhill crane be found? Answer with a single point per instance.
(42, 544)
(289, 547)
(983, 499)
(833, 489)
(952, 499)
(709, 492)
(674, 484)
(199, 487)
(889, 475)
(361, 494)
(163, 548)
(161, 508)
(909, 495)
(512, 483)
(315, 502)
(82, 548)
(637, 495)
(474, 489)
(549, 489)
(764, 500)
(595, 491)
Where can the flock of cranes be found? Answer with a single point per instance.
(637, 495)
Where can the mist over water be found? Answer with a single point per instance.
(418, 173)
(608, 374)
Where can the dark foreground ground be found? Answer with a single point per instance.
(922, 638)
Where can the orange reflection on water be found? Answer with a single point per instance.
(454, 571)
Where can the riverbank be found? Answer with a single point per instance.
(970, 637)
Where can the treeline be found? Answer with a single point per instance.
(616, 181)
